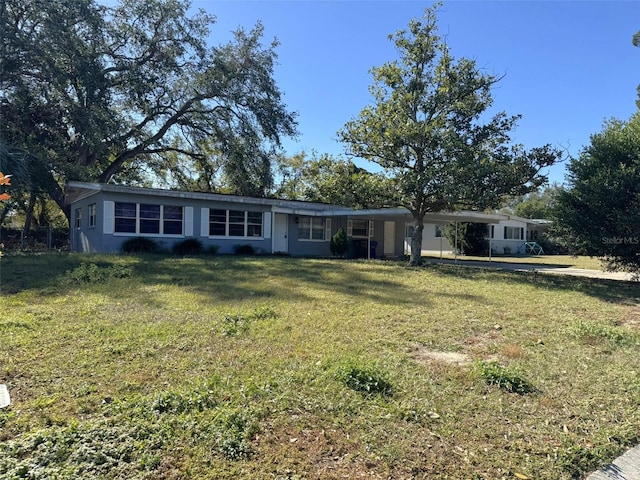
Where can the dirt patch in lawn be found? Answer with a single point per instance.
(478, 347)
(632, 318)
(424, 355)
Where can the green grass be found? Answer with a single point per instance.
(154, 367)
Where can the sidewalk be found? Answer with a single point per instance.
(625, 467)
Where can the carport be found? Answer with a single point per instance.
(403, 216)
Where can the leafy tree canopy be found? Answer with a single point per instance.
(599, 213)
(133, 93)
(331, 180)
(429, 129)
(536, 204)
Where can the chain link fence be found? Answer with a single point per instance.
(41, 239)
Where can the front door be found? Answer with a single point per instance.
(389, 239)
(281, 233)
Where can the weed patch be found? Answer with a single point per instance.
(506, 378)
(100, 450)
(90, 273)
(363, 377)
(233, 430)
(237, 323)
(592, 333)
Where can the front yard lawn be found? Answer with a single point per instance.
(157, 367)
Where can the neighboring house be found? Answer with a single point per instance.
(103, 216)
(510, 237)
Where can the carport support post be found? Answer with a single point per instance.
(489, 249)
(455, 247)
(369, 239)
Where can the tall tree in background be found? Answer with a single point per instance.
(599, 213)
(426, 130)
(103, 94)
(331, 180)
(538, 204)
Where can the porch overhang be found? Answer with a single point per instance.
(437, 218)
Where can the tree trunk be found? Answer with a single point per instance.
(416, 240)
(29, 215)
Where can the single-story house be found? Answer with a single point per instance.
(103, 216)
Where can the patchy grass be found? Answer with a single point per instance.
(149, 367)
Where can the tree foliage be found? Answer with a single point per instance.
(537, 204)
(428, 129)
(331, 180)
(470, 238)
(133, 92)
(599, 213)
(339, 243)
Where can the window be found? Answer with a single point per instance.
(235, 223)
(148, 219)
(125, 217)
(254, 224)
(218, 223)
(78, 218)
(172, 220)
(92, 215)
(513, 233)
(311, 228)
(359, 228)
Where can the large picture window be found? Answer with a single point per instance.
(148, 219)
(234, 223)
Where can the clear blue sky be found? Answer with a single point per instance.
(567, 65)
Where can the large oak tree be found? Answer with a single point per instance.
(130, 92)
(430, 130)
